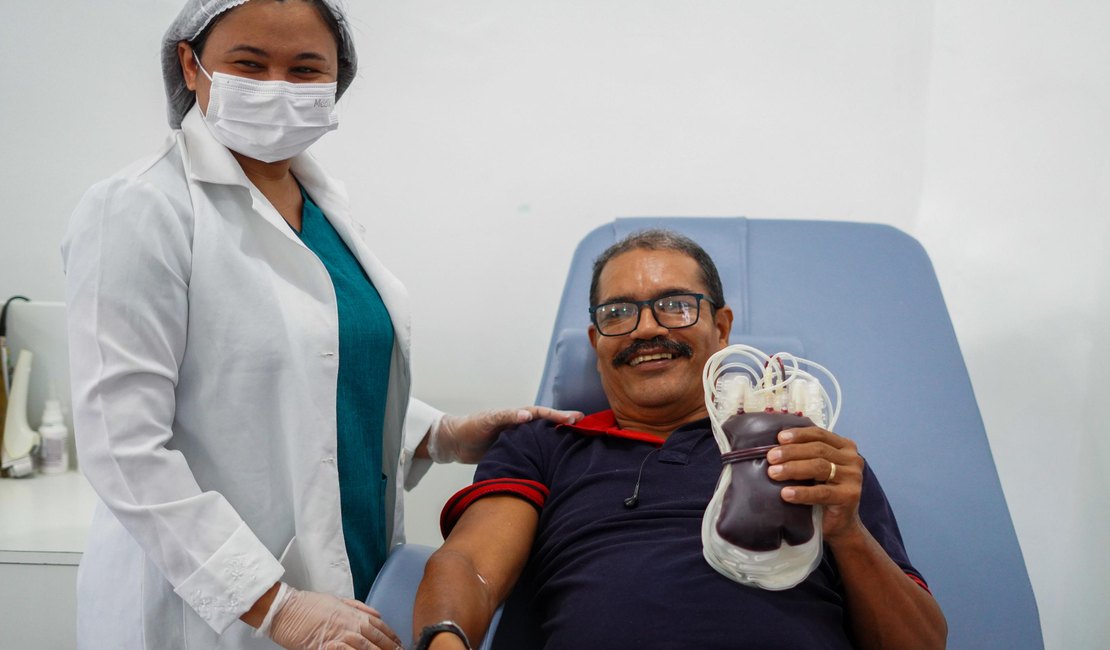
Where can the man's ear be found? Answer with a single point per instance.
(592, 332)
(722, 320)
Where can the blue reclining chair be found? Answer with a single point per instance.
(862, 300)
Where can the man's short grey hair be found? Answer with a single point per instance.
(658, 239)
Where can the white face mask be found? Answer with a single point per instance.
(268, 120)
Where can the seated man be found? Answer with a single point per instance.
(548, 506)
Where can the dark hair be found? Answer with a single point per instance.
(329, 17)
(658, 239)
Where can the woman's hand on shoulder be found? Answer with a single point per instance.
(465, 438)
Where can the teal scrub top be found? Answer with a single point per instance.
(365, 349)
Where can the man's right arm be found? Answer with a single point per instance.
(476, 568)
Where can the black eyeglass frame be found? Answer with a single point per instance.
(650, 304)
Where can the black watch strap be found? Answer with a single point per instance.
(430, 632)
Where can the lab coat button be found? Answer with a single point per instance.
(327, 355)
(328, 460)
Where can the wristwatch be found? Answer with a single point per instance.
(430, 632)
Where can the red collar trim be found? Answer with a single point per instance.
(604, 423)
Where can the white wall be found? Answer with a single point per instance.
(1015, 214)
(483, 139)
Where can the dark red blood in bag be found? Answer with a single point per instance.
(753, 514)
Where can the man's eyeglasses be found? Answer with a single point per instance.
(673, 311)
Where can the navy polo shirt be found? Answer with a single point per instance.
(602, 575)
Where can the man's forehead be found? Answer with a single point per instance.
(650, 269)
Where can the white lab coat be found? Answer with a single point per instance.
(204, 355)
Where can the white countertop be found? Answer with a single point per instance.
(45, 519)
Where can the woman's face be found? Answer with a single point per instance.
(265, 40)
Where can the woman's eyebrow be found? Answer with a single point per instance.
(250, 49)
(259, 52)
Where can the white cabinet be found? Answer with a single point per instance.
(44, 526)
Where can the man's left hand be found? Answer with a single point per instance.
(834, 463)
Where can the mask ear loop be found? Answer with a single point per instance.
(204, 110)
(199, 64)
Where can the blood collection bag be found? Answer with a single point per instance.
(749, 533)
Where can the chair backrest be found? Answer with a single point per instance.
(862, 300)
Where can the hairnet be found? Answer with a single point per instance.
(196, 15)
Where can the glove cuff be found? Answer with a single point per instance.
(284, 591)
(440, 450)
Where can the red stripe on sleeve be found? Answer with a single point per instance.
(920, 583)
(531, 491)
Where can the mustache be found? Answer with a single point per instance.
(658, 343)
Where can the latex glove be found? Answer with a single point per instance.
(306, 620)
(465, 438)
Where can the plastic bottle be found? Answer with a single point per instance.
(54, 453)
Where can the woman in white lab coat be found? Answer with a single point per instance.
(240, 359)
